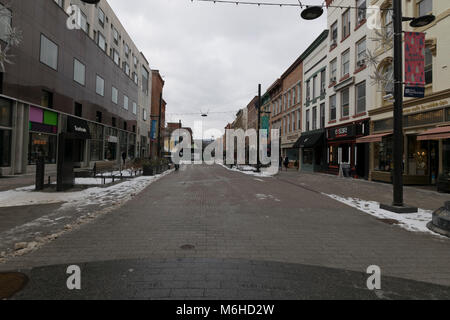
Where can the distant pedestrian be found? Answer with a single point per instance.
(286, 162)
(281, 162)
(124, 157)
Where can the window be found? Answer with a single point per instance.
(307, 120)
(322, 82)
(5, 148)
(308, 90)
(116, 57)
(361, 97)
(361, 53)
(98, 117)
(388, 72)
(314, 93)
(346, 24)
(299, 93)
(345, 63)
(125, 102)
(424, 7)
(293, 96)
(361, 12)
(144, 115)
(5, 22)
(345, 96)
(322, 116)
(428, 66)
(314, 118)
(83, 22)
(334, 34)
(5, 113)
(288, 124)
(79, 72)
(47, 99)
(42, 145)
(299, 123)
(101, 41)
(115, 35)
(60, 3)
(115, 95)
(100, 86)
(101, 17)
(135, 61)
(49, 53)
(145, 75)
(333, 68)
(126, 68)
(333, 108)
(127, 50)
(134, 108)
(78, 109)
(388, 23)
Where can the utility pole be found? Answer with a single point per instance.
(258, 164)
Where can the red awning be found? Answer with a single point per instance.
(373, 138)
(435, 134)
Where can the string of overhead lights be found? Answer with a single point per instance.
(277, 4)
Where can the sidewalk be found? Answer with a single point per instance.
(419, 196)
(20, 181)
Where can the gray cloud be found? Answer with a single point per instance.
(213, 56)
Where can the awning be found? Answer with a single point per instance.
(78, 128)
(373, 138)
(435, 134)
(309, 140)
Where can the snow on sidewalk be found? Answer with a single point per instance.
(96, 195)
(415, 222)
(265, 173)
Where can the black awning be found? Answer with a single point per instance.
(78, 128)
(309, 140)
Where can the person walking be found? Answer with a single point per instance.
(286, 163)
(281, 162)
(124, 157)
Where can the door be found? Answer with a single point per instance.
(434, 161)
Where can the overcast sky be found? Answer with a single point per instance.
(212, 56)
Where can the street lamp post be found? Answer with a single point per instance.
(258, 163)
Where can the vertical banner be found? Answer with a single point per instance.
(153, 129)
(414, 64)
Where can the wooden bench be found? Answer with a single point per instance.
(102, 167)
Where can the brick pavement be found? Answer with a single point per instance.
(231, 215)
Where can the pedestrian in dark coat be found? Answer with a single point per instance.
(124, 157)
(286, 162)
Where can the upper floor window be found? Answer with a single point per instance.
(299, 93)
(115, 35)
(134, 108)
(345, 102)
(116, 57)
(345, 63)
(49, 52)
(79, 72)
(333, 71)
(307, 120)
(127, 50)
(346, 24)
(101, 17)
(424, 7)
(361, 53)
(361, 11)
(308, 90)
(115, 95)
(314, 118)
(125, 102)
(145, 82)
(83, 22)
(388, 23)
(322, 116)
(322, 82)
(126, 68)
(101, 41)
(100, 86)
(314, 93)
(428, 66)
(60, 3)
(334, 34)
(361, 97)
(333, 108)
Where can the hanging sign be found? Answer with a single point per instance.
(414, 64)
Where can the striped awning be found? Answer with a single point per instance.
(373, 138)
(435, 134)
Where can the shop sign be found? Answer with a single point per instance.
(341, 132)
(425, 107)
(44, 128)
(78, 127)
(112, 139)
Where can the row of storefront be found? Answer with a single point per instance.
(365, 148)
(27, 132)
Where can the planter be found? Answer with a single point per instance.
(147, 171)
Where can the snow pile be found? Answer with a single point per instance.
(416, 222)
(265, 172)
(26, 196)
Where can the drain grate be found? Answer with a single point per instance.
(11, 283)
(187, 247)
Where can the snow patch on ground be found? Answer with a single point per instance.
(96, 195)
(265, 173)
(415, 222)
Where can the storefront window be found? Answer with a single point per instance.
(446, 156)
(5, 148)
(333, 155)
(96, 143)
(5, 113)
(308, 156)
(383, 154)
(292, 154)
(417, 156)
(41, 144)
(132, 146)
(123, 142)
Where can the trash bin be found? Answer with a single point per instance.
(346, 170)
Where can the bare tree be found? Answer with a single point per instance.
(11, 36)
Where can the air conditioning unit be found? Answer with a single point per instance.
(361, 63)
